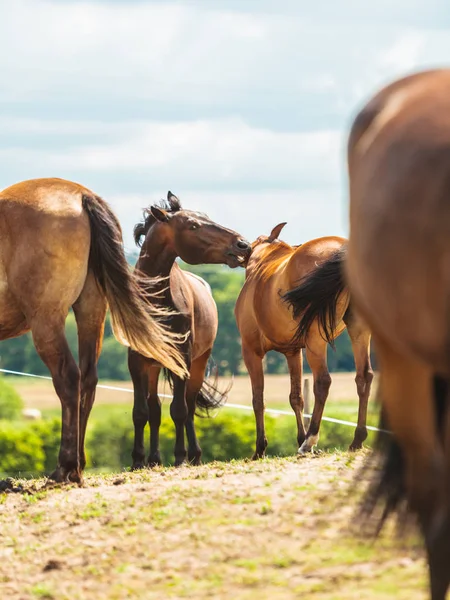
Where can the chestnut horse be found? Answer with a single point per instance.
(397, 270)
(398, 273)
(170, 232)
(61, 247)
(266, 322)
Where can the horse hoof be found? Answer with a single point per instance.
(63, 475)
(304, 451)
(137, 466)
(154, 462)
(258, 455)
(354, 447)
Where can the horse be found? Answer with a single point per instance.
(266, 321)
(171, 231)
(60, 248)
(396, 267)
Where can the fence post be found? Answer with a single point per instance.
(306, 396)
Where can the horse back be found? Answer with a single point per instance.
(399, 249)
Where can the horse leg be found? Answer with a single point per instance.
(295, 365)
(322, 381)
(360, 339)
(139, 371)
(409, 402)
(51, 344)
(179, 413)
(438, 551)
(254, 365)
(90, 313)
(154, 417)
(194, 385)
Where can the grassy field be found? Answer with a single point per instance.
(342, 401)
(275, 529)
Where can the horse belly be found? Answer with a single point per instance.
(273, 318)
(12, 319)
(205, 326)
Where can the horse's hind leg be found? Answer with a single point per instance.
(409, 402)
(360, 339)
(295, 364)
(179, 413)
(194, 385)
(322, 381)
(154, 417)
(438, 541)
(438, 550)
(254, 365)
(140, 373)
(51, 344)
(90, 312)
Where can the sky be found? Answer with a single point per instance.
(240, 107)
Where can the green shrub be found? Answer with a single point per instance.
(33, 447)
(21, 450)
(11, 404)
(49, 433)
(227, 436)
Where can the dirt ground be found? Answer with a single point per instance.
(275, 529)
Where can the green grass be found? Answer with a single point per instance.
(187, 533)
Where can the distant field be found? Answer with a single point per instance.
(39, 393)
(342, 402)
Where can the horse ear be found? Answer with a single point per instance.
(170, 196)
(276, 232)
(159, 214)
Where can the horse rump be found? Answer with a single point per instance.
(316, 298)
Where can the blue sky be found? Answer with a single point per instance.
(241, 107)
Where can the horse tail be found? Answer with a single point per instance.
(209, 397)
(386, 494)
(316, 298)
(135, 321)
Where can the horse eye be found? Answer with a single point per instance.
(194, 226)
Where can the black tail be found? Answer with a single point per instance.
(386, 493)
(135, 321)
(317, 296)
(209, 397)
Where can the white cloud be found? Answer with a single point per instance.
(235, 97)
(214, 153)
(405, 53)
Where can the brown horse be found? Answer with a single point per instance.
(170, 232)
(266, 322)
(61, 247)
(397, 269)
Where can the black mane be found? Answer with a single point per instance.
(171, 205)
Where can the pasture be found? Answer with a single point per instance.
(39, 393)
(277, 528)
(240, 529)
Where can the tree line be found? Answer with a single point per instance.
(19, 354)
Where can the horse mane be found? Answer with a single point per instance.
(171, 205)
(272, 254)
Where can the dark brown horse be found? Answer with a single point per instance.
(61, 247)
(267, 322)
(170, 232)
(398, 270)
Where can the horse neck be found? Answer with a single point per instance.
(157, 257)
